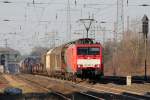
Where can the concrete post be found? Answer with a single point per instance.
(128, 80)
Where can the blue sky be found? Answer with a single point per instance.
(35, 25)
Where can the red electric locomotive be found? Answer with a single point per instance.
(82, 58)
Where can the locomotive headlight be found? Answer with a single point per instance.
(79, 66)
(97, 65)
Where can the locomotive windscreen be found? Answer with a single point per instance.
(88, 51)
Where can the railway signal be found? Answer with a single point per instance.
(145, 29)
(145, 25)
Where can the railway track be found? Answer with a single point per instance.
(115, 93)
(60, 95)
(112, 92)
(100, 92)
(103, 94)
(74, 96)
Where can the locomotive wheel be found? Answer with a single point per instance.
(74, 78)
(69, 77)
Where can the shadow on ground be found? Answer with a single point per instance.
(73, 96)
(108, 96)
(122, 80)
(29, 96)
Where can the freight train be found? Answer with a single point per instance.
(81, 58)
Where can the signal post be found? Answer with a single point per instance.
(145, 29)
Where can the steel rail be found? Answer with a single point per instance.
(44, 88)
(61, 95)
(92, 96)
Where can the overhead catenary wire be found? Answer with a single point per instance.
(101, 11)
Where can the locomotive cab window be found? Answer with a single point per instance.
(88, 51)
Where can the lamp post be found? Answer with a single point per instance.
(145, 29)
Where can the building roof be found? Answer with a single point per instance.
(8, 50)
(49, 52)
